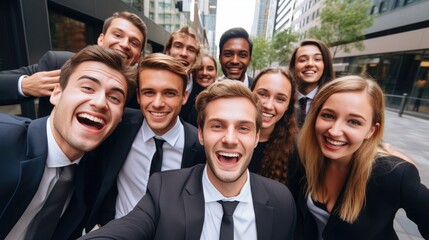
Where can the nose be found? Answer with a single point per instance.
(230, 137)
(336, 129)
(124, 43)
(268, 103)
(158, 100)
(99, 101)
(184, 52)
(310, 62)
(235, 59)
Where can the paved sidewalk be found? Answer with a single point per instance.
(409, 135)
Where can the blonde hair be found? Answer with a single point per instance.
(363, 159)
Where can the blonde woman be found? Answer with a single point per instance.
(351, 189)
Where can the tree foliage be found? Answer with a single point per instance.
(342, 24)
(282, 45)
(260, 57)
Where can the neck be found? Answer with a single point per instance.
(306, 88)
(265, 134)
(226, 187)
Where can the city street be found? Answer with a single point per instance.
(409, 135)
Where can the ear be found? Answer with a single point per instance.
(185, 97)
(257, 137)
(372, 131)
(200, 135)
(56, 95)
(100, 39)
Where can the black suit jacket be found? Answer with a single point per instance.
(23, 153)
(393, 184)
(51, 60)
(109, 158)
(173, 208)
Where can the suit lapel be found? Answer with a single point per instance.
(190, 150)
(193, 200)
(32, 168)
(264, 212)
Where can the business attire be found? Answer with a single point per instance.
(174, 208)
(23, 154)
(51, 60)
(188, 112)
(110, 157)
(393, 184)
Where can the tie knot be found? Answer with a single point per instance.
(303, 103)
(158, 142)
(228, 207)
(67, 172)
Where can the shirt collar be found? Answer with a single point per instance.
(310, 95)
(211, 194)
(171, 137)
(56, 157)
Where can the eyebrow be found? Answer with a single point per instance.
(98, 82)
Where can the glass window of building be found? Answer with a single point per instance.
(67, 34)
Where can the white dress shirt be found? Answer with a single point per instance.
(55, 160)
(134, 175)
(244, 214)
(310, 96)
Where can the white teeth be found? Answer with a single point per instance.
(229, 154)
(158, 114)
(267, 115)
(92, 118)
(336, 143)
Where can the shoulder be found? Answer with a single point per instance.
(13, 121)
(174, 181)
(273, 188)
(189, 128)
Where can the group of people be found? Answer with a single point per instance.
(291, 154)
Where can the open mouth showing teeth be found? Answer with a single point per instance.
(335, 143)
(267, 115)
(90, 121)
(158, 114)
(225, 157)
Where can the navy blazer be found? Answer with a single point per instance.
(9, 94)
(23, 152)
(109, 158)
(173, 208)
(393, 184)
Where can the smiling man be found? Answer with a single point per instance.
(189, 203)
(88, 104)
(124, 32)
(128, 155)
(235, 53)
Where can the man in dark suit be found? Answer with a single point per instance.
(88, 104)
(126, 157)
(189, 203)
(235, 54)
(123, 31)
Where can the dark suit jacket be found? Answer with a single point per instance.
(173, 208)
(23, 152)
(51, 60)
(111, 155)
(393, 184)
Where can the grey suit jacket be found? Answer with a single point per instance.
(109, 158)
(173, 208)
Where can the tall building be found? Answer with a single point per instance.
(283, 16)
(260, 20)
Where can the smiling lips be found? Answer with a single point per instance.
(228, 158)
(91, 121)
(334, 143)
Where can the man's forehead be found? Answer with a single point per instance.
(185, 39)
(237, 44)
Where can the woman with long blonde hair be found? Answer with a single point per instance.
(352, 189)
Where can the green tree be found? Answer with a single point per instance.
(343, 24)
(259, 54)
(282, 45)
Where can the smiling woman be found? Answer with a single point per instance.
(347, 178)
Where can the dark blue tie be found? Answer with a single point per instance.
(156, 164)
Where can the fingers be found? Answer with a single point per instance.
(40, 84)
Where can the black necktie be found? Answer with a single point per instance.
(302, 108)
(157, 157)
(227, 226)
(44, 223)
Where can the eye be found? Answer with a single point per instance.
(262, 94)
(148, 93)
(114, 99)
(243, 55)
(227, 54)
(327, 116)
(355, 122)
(192, 50)
(87, 89)
(170, 94)
(117, 35)
(216, 126)
(281, 99)
(135, 44)
(244, 129)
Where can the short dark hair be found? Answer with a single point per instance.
(109, 57)
(133, 18)
(164, 62)
(328, 70)
(237, 32)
